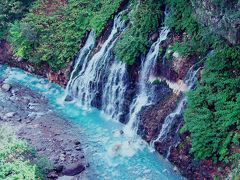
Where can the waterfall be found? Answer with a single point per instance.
(190, 80)
(85, 85)
(83, 54)
(114, 90)
(143, 97)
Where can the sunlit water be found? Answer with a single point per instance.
(110, 154)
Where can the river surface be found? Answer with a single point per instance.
(111, 154)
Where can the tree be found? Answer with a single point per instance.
(11, 10)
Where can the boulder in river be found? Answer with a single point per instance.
(68, 98)
(73, 169)
(6, 87)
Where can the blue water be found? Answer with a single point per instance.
(110, 154)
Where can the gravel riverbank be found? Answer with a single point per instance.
(53, 136)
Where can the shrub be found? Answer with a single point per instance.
(11, 10)
(213, 110)
(156, 82)
(14, 155)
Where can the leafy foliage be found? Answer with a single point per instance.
(53, 33)
(213, 113)
(10, 10)
(145, 18)
(14, 154)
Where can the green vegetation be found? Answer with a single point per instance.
(144, 18)
(199, 39)
(11, 10)
(52, 32)
(213, 111)
(156, 82)
(15, 157)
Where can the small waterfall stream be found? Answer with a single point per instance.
(83, 54)
(87, 84)
(143, 97)
(190, 80)
(114, 90)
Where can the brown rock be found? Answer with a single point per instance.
(73, 169)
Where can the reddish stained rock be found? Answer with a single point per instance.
(60, 77)
(154, 36)
(6, 57)
(192, 169)
(177, 68)
(5, 51)
(153, 117)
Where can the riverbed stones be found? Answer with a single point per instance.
(62, 157)
(66, 178)
(78, 148)
(9, 115)
(76, 142)
(58, 168)
(53, 136)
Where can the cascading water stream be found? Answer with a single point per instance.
(190, 80)
(143, 97)
(175, 142)
(87, 83)
(83, 54)
(114, 90)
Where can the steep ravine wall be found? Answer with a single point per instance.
(175, 147)
(42, 69)
(221, 17)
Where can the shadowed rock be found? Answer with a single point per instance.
(73, 169)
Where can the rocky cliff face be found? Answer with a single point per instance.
(223, 20)
(174, 146)
(221, 17)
